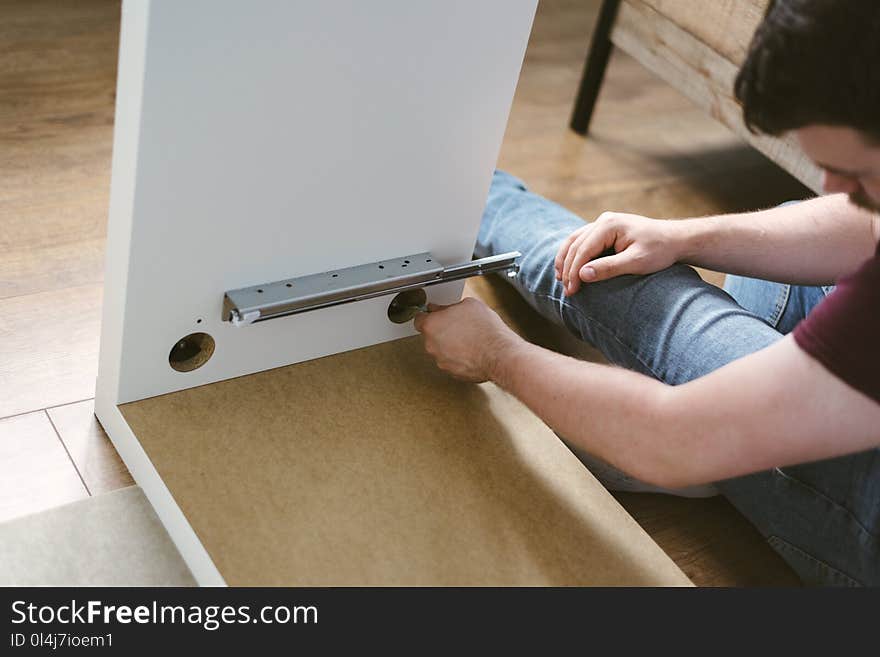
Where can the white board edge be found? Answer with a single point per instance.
(145, 475)
(126, 133)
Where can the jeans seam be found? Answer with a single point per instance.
(780, 544)
(781, 303)
(604, 328)
(837, 505)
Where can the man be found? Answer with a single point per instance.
(733, 387)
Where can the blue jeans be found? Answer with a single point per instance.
(823, 517)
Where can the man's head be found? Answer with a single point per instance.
(813, 68)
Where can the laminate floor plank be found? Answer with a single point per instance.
(49, 348)
(89, 447)
(35, 470)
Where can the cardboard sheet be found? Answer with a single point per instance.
(373, 468)
(114, 539)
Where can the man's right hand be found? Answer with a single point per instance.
(642, 246)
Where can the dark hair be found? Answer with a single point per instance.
(813, 62)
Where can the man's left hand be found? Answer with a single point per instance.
(465, 339)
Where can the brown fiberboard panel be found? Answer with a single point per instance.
(371, 467)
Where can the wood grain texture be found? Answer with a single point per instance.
(704, 76)
(57, 80)
(651, 150)
(709, 540)
(48, 348)
(89, 448)
(57, 76)
(35, 471)
(726, 26)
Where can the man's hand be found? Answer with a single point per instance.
(465, 338)
(642, 246)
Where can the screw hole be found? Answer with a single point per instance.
(403, 265)
(406, 305)
(406, 261)
(198, 321)
(290, 285)
(381, 266)
(259, 291)
(191, 352)
(428, 260)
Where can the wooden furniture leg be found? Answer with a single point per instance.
(594, 69)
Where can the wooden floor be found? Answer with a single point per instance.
(650, 152)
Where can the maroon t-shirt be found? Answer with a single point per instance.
(843, 332)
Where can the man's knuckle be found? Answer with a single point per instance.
(610, 220)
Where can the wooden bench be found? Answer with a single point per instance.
(698, 49)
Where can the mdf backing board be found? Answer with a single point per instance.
(261, 141)
(372, 467)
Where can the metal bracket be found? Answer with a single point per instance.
(258, 303)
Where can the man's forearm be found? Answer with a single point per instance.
(610, 412)
(814, 242)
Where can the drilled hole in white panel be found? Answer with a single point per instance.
(191, 352)
(405, 305)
